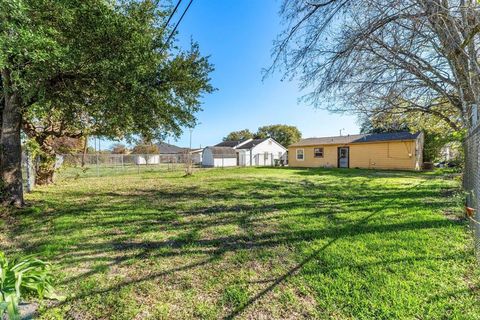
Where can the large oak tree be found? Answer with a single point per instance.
(96, 67)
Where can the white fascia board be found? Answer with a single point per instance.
(241, 144)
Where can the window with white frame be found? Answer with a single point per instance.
(318, 152)
(300, 155)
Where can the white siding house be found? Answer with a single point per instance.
(219, 157)
(250, 152)
(196, 155)
(260, 152)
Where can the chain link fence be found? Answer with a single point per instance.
(73, 166)
(471, 183)
(76, 165)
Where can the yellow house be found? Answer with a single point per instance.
(397, 150)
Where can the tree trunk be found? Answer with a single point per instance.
(45, 171)
(11, 147)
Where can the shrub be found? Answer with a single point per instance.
(21, 276)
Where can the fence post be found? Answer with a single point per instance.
(98, 168)
(28, 168)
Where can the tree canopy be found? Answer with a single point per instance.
(369, 56)
(91, 67)
(146, 148)
(283, 134)
(437, 134)
(119, 148)
(239, 135)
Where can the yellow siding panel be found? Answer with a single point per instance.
(377, 155)
(329, 157)
(386, 155)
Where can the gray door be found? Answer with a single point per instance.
(343, 157)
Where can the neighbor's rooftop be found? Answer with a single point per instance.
(252, 143)
(166, 148)
(358, 138)
(230, 143)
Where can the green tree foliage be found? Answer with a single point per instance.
(369, 126)
(91, 67)
(119, 148)
(437, 133)
(146, 148)
(239, 135)
(283, 134)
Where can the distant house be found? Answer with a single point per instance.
(196, 155)
(166, 148)
(398, 150)
(249, 152)
(231, 143)
(169, 153)
(260, 152)
(219, 157)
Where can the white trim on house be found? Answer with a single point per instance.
(303, 154)
(242, 143)
(315, 153)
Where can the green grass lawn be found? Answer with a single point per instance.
(253, 243)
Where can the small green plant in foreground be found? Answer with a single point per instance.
(21, 276)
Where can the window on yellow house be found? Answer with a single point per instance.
(299, 154)
(318, 152)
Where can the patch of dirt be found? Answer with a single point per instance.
(447, 193)
(453, 215)
(28, 310)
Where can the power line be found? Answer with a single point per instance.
(172, 13)
(178, 23)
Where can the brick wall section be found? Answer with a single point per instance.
(471, 180)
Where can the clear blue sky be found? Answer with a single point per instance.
(238, 36)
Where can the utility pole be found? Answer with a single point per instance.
(97, 152)
(191, 130)
(189, 166)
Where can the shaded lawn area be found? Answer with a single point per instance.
(253, 243)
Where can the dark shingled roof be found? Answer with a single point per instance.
(223, 152)
(357, 138)
(252, 143)
(229, 143)
(166, 148)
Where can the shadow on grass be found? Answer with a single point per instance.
(296, 268)
(113, 218)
